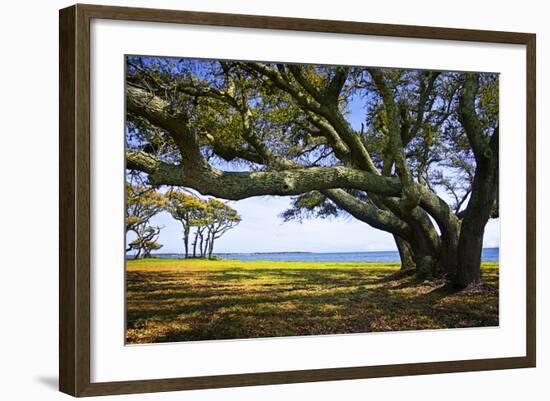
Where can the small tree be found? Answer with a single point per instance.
(201, 232)
(220, 219)
(142, 203)
(189, 211)
(199, 240)
(145, 242)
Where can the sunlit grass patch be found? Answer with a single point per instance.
(183, 300)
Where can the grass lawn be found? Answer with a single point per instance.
(189, 300)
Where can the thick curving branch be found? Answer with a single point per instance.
(470, 120)
(368, 213)
(332, 93)
(329, 112)
(411, 197)
(239, 185)
(439, 210)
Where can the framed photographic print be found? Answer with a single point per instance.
(250, 200)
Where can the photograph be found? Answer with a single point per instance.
(270, 199)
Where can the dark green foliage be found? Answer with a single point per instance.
(311, 204)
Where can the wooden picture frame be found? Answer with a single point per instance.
(74, 203)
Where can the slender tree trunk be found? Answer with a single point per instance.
(201, 244)
(211, 249)
(195, 244)
(186, 240)
(206, 244)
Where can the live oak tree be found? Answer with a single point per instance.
(146, 242)
(220, 218)
(200, 238)
(210, 219)
(142, 203)
(422, 164)
(189, 211)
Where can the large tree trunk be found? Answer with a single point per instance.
(405, 253)
(448, 257)
(424, 244)
(470, 243)
(428, 261)
(425, 260)
(469, 254)
(476, 215)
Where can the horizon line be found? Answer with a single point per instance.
(287, 252)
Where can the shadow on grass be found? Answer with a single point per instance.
(168, 306)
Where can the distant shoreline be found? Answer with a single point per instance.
(293, 252)
(488, 255)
